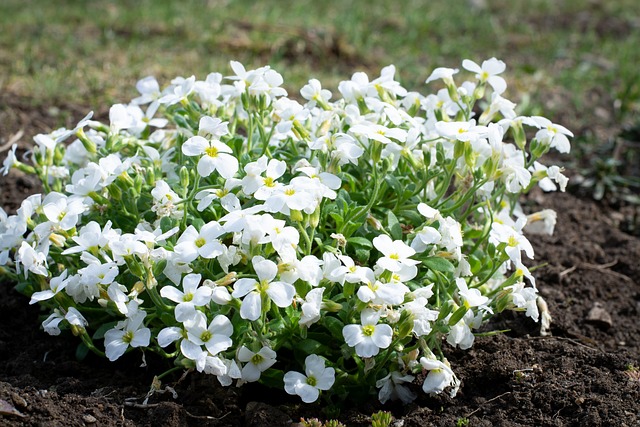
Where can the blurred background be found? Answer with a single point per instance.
(574, 61)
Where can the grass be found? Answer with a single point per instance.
(564, 58)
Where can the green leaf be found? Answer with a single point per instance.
(310, 346)
(99, 333)
(348, 289)
(81, 351)
(167, 223)
(439, 264)
(361, 242)
(337, 218)
(458, 315)
(393, 182)
(362, 255)
(272, 378)
(413, 217)
(394, 226)
(198, 223)
(302, 288)
(334, 326)
(158, 268)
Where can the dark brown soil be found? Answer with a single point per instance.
(579, 376)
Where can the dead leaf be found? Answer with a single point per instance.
(7, 409)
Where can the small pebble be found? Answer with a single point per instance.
(19, 400)
(89, 419)
(599, 316)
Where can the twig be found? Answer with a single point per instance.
(205, 417)
(490, 400)
(605, 268)
(12, 140)
(571, 340)
(141, 405)
(567, 271)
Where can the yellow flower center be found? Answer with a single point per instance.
(367, 330)
(212, 152)
(127, 337)
(206, 336)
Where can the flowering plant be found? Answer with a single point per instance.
(321, 247)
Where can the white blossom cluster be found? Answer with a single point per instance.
(317, 245)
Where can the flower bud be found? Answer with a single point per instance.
(57, 239)
(115, 192)
(375, 223)
(518, 134)
(227, 280)
(184, 177)
(314, 218)
(137, 288)
(330, 306)
(137, 184)
(478, 92)
(134, 266)
(405, 325)
(88, 144)
(296, 215)
(77, 330)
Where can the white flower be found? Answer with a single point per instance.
(488, 72)
(460, 334)
(149, 90)
(212, 127)
(193, 295)
(193, 243)
(396, 253)
(380, 293)
(525, 298)
(542, 222)
(554, 135)
(369, 337)
(10, 160)
(181, 90)
(255, 363)
(471, 297)
(311, 307)
(392, 388)
(379, 133)
(51, 323)
(56, 284)
(214, 156)
(227, 199)
(62, 211)
(33, 260)
(318, 377)
(254, 291)
(440, 375)
(91, 238)
(445, 74)
(129, 332)
(313, 93)
(291, 197)
(215, 338)
(513, 237)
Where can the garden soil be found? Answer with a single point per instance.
(582, 374)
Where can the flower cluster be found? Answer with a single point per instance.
(316, 245)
